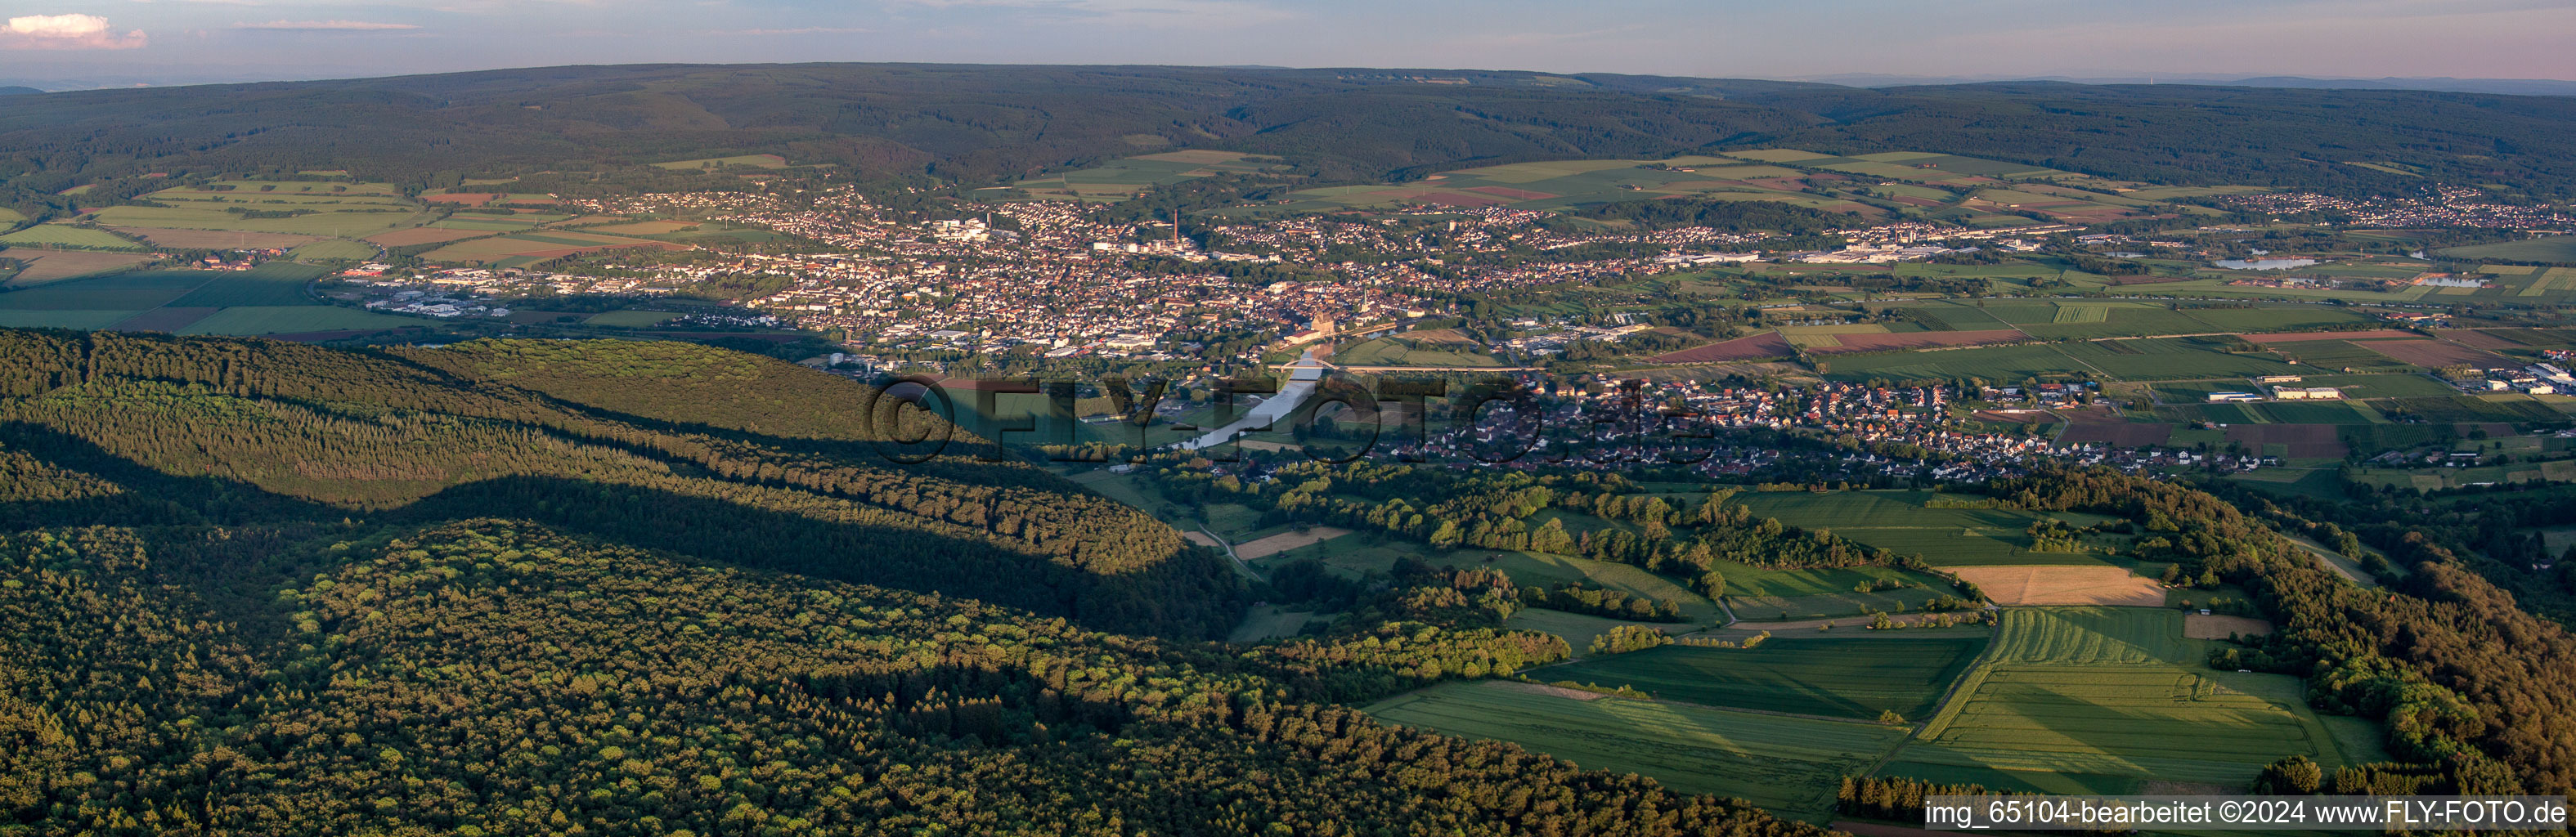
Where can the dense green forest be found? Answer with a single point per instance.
(979, 124)
(499, 588)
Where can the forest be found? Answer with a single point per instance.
(570, 126)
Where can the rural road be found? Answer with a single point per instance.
(1239, 565)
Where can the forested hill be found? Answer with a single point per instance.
(606, 439)
(520, 589)
(979, 123)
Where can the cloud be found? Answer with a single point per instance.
(66, 32)
(325, 26)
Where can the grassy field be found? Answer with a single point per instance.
(269, 299)
(1901, 521)
(1852, 678)
(270, 284)
(294, 319)
(1759, 594)
(1790, 765)
(2556, 248)
(2101, 700)
(66, 235)
(79, 320)
(45, 266)
(1395, 351)
(117, 292)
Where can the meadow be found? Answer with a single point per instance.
(1901, 521)
(1397, 351)
(1852, 678)
(1761, 594)
(2555, 248)
(69, 237)
(1789, 765)
(44, 266)
(2102, 700)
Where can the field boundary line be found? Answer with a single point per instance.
(1952, 701)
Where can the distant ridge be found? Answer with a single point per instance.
(2498, 86)
(18, 91)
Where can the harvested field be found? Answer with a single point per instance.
(422, 235)
(1924, 340)
(53, 265)
(1284, 541)
(2299, 441)
(2294, 337)
(1742, 348)
(2476, 339)
(2063, 585)
(2435, 354)
(1203, 539)
(2216, 626)
(2135, 435)
(466, 198)
(215, 239)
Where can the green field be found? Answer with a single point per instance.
(1393, 351)
(116, 292)
(65, 235)
(2101, 700)
(1789, 765)
(270, 284)
(71, 319)
(1761, 594)
(1851, 678)
(2555, 248)
(1900, 521)
(294, 319)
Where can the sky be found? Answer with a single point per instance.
(59, 44)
